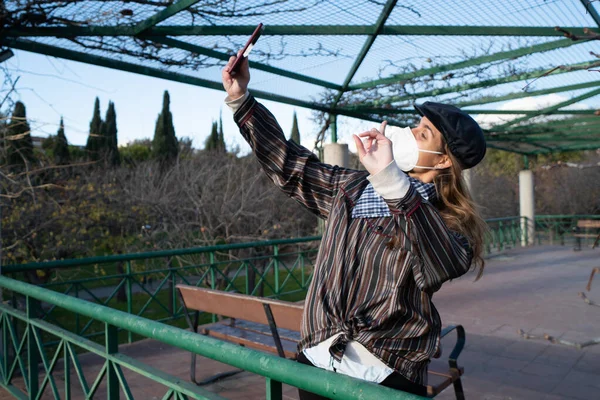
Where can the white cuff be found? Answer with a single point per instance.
(391, 182)
(236, 103)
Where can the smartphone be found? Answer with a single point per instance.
(247, 48)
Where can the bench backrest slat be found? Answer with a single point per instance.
(240, 306)
(588, 223)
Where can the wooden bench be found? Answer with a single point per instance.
(587, 228)
(274, 325)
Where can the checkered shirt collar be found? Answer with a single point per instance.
(371, 205)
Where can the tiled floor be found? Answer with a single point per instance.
(534, 289)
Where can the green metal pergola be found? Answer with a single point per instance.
(527, 70)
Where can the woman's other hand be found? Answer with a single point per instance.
(236, 83)
(375, 153)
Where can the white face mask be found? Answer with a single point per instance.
(405, 148)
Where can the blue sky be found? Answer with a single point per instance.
(52, 87)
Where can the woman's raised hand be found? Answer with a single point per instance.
(236, 83)
(375, 153)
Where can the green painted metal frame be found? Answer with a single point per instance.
(385, 13)
(551, 109)
(148, 29)
(486, 83)
(256, 65)
(504, 55)
(589, 8)
(523, 94)
(383, 16)
(277, 370)
(293, 30)
(142, 70)
(168, 12)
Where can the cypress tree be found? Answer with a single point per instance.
(61, 146)
(221, 146)
(19, 146)
(164, 144)
(212, 141)
(295, 135)
(94, 141)
(111, 149)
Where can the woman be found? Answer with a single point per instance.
(390, 241)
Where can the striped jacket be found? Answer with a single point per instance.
(378, 296)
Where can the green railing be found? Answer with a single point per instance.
(549, 229)
(144, 284)
(558, 229)
(28, 367)
(505, 232)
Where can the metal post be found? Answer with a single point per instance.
(67, 371)
(171, 283)
(276, 268)
(274, 390)
(211, 257)
(333, 127)
(128, 292)
(112, 347)
(33, 356)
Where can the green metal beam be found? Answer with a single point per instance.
(551, 109)
(557, 137)
(148, 71)
(404, 111)
(486, 83)
(552, 126)
(163, 15)
(520, 95)
(385, 13)
(517, 151)
(172, 76)
(504, 55)
(293, 30)
(590, 9)
(225, 57)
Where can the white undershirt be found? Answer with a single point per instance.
(357, 361)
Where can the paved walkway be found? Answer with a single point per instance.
(533, 289)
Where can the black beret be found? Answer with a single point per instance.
(462, 134)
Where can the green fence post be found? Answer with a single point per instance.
(213, 283)
(33, 356)
(171, 280)
(274, 391)
(302, 268)
(247, 271)
(67, 370)
(5, 356)
(276, 271)
(128, 291)
(77, 320)
(112, 347)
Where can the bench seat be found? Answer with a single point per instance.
(273, 326)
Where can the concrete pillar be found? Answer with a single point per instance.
(336, 154)
(527, 207)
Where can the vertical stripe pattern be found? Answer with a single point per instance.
(361, 288)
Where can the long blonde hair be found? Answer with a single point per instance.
(459, 211)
